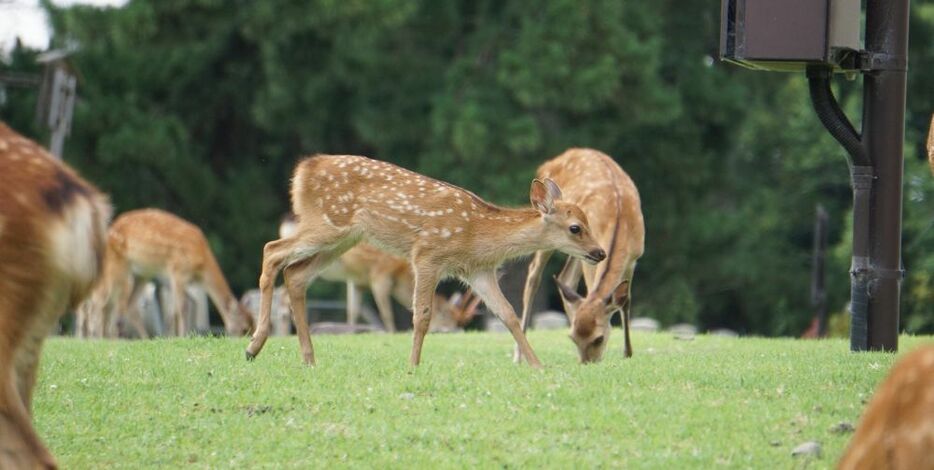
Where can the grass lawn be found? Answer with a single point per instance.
(197, 403)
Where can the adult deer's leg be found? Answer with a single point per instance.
(179, 304)
(133, 314)
(532, 283)
(627, 309)
(486, 285)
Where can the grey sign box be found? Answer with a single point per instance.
(787, 35)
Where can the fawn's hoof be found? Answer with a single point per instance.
(249, 356)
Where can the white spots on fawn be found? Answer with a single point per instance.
(445, 233)
(449, 210)
(4, 146)
(458, 229)
(464, 215)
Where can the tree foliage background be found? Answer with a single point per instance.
(203, 106)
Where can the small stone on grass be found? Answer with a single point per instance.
(809, 448)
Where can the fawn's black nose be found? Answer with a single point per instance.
(598, 255)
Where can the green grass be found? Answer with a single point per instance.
(196, 403)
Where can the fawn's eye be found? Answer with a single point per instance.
(575, 229)
(598, 341)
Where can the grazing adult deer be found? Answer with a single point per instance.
(610, 200)
(443, 230)
(52, 229)
(148, 243)
(897, 427)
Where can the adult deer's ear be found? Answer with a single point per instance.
(619, 297)
(568, 294)
(569, 297)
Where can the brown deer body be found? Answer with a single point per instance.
(897, 428)
(390, 277)
(52, 230)
(609, 198)
(148, 243)
(441, 229)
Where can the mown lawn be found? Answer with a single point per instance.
(196, 403)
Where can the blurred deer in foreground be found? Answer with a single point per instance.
(897, 427)
(388, 277)
(443, 230)
(52, 230)
(148, 243)
(610, 200)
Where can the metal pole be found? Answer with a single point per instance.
(818, 292)
(883, 136)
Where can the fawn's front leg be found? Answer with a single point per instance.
(487, 287)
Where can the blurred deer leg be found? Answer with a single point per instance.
(532, 282)
(383, 297)
(353, 303)
(486, 285)
(297, 277)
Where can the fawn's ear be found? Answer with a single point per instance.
(543, 195)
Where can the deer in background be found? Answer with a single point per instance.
(897, 427)
(388, 277)
(52, 230)
(605, 193)
(148, 243)
(441, 229)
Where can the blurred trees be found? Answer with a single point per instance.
(203, 106)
